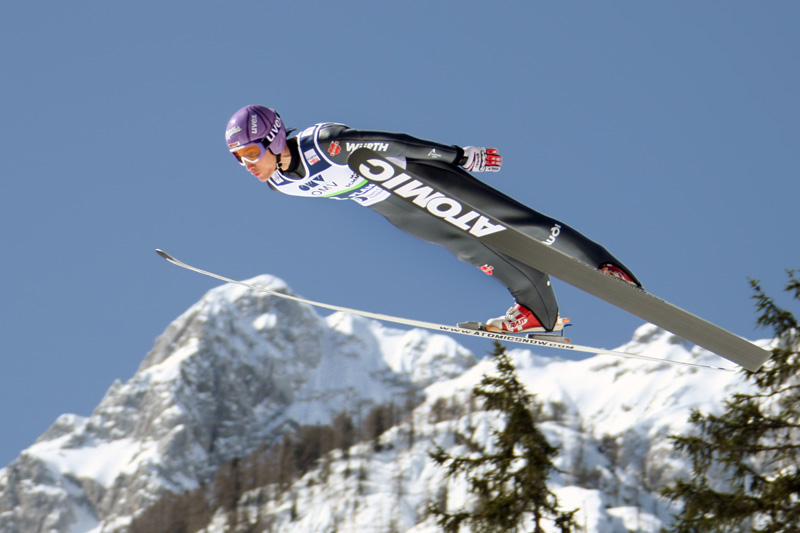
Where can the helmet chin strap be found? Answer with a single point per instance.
(278, 162)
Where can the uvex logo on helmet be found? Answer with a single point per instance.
(253, 124)
(274, 130)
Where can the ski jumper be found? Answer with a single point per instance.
(319, 169)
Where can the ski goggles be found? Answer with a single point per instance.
(249, 153)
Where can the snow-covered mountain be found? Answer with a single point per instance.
(239, 369)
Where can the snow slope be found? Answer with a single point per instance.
(611, 418)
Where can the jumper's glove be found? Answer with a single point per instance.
(478, 159)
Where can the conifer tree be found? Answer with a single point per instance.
(508, 477)
(745, 461)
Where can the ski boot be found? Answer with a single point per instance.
(520, 319)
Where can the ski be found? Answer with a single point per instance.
(541, 256)
(471, 330)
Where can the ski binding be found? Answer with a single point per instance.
(550, 336)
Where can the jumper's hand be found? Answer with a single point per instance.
(479, 159)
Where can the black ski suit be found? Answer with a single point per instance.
(319, 168)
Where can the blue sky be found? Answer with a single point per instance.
(667, 131)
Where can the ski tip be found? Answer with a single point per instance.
(164, 254)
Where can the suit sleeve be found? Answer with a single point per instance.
(341, 141)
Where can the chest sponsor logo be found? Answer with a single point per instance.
(334, 148)
(318, 186)
(435, 202)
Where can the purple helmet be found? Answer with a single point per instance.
(256, 123)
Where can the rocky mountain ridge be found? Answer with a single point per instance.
(239, 369)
